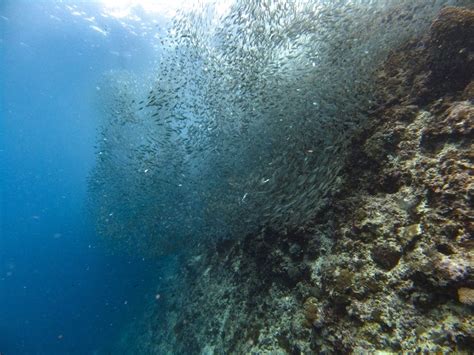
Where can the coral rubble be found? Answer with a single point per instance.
(387, 266)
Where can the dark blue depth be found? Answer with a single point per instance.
(60, 290)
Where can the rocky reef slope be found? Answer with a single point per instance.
(387, 266)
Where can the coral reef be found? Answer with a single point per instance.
(387, 266)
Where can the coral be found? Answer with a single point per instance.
(312, 312)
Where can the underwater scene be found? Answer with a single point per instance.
(236, 177)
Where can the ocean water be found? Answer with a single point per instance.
(61, 290)
(134, 135)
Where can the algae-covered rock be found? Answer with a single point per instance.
(312, 312)
(451, 49)
(466, 295)
(439, 64)
(386, 256)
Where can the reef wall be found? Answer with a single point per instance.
(387, 266)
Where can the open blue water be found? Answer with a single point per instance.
(60, 290)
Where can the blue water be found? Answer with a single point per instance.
(61, 291)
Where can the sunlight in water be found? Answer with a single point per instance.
(124, 8)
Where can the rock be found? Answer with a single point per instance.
(386, 256)
(440, 64)
(456, 123)
(380, 145)
(449, 269)
(311, 311)
(451, 51)
(411, 231)
(468, 93)
(466, 295)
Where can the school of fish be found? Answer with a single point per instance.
(244, 121)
